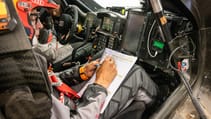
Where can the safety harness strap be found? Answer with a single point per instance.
(63, 88)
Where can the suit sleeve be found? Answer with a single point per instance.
(71, 76)
(88, 108)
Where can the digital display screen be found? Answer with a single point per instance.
(132, 33)
(107, 24)
(90, 19)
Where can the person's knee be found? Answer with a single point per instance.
(142, 86)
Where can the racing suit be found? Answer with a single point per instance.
(26, 93)
(137, 87)
(50, 48)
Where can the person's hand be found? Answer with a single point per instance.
(44, 36)
(106, 72)
(91, 67)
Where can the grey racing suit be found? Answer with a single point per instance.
(137, 87)
(53, 54)
(26, 93)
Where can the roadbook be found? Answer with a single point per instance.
(123, 63)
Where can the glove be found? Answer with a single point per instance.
(45, 36)
(45, 18)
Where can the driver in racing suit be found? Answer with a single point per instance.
(41, 35)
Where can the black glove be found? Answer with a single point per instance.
(44, 36)
(46, 18)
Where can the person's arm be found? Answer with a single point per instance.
(48, 52)
(91, 102)
(88, 108)
(78, 73)
(43, 46)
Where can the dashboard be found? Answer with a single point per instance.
(141, 36)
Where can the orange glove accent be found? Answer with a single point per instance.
(82, 73)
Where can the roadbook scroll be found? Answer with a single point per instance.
(123, 63)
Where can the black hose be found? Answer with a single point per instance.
(75, 17)
(187, 86)
(80, 12)
(193, 98)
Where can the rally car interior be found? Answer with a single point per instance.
(139, 34)
(168, 44)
